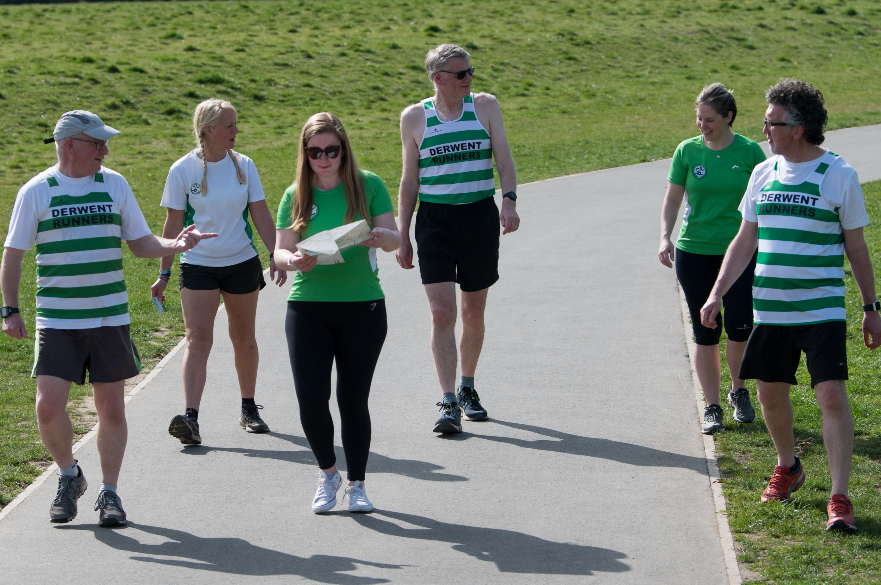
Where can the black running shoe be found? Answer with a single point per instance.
(469, 402)
(64, 508)
(185, 428)
(250, 419)
(450, 420)
(743, 408)
(712, 419)
(111, 513)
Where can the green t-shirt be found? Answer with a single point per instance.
(358, 278)
(715, 181)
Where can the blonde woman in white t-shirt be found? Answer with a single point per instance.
(217, 188)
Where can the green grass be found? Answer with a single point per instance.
(617, 76)
(786, 543)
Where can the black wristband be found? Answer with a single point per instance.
(876, 306)
(270, 255)
(510, 195)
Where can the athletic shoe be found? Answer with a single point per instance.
(840, 514)
(358, 500)
(70, 489)
(743, 408)
(111, 513)
(325, 496)
(185, 428)
(783, 483)
(450, 420)
(251, 420)
(712, 419)
(469, 402)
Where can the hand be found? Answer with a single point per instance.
(14, 327)
(189, 238)
(872, 329)
(380, 237)
(302, 262)
(508, 217)
(158, 289)
(276, 274)
(404, 254)
(710, 310)
(666, 252)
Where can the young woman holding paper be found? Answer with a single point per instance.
(335, 312)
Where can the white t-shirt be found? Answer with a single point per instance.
(223, 210)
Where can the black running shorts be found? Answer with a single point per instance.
(238, 279)
(106, 352)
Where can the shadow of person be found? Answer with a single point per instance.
(560, 442)
(512, 552)
(231, 555)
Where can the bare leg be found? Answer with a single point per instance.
(708, 366)
(779, 418)
(112, 428)
(473, 329)
(734, 355)
(442, 302)
(53, 420)
(837, 431)
(242, 313)
(200, 309)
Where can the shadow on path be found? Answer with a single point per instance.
(512, 552)
(231, 555)
(561, 442)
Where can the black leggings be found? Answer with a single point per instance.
(353, 334)
(697, 274)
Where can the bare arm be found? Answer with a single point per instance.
(266, 228)
(739, 253)
(155, 247)
(10, 280)
(412, 121)
(488, 111)
(287, 257)
(669, 211)
(385, 233)
(174, 223)
(861, 266)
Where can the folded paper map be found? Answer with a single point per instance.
(329, 244)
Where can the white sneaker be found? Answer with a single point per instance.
(358, 500)
(325, 496)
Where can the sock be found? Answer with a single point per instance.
(450, 398)
(72, 471)
(107, 487)
(797, 467)
(192, 413)
(465, 382)
(248, 402)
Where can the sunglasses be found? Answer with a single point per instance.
(461, 74)
(770, 123)
(315, 153)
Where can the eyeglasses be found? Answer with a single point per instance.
(770, 123)
(461, 74)
(99, 144)
(315, 153)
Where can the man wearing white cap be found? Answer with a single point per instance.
(78, 212)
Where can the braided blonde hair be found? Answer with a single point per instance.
(208, 114)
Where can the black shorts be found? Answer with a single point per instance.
(459, 243)
(106, 352)
(238, 279)
(697, 274)
(773, 352)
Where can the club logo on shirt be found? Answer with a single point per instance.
(195, 188)
(314, 211)
(700, 171)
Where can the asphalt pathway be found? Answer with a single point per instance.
(590, 469)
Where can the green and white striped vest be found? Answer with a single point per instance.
(800, 269)
(79, 256)
(455, 158)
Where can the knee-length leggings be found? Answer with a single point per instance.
(352, 334)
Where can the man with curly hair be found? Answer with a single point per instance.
(804, 210)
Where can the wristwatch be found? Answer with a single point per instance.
(876, 306)
(510, 195)
(7, 311)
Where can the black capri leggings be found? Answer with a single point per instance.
(353, 334)
(697, 274)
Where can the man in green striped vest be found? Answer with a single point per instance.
(449, 142)
(78, 213)
(804, 210)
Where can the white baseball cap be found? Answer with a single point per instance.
(80, 121)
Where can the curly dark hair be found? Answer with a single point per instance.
(720, 98)
(804, 105)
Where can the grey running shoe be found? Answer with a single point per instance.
(450, 420)
(111, 513)
(64, 509)
(251, 420)
(358, 500)
(469, 402)
(743, 408)
(325, 495)
(185, 428)
(712, 419)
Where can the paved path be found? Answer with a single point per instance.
(591, 469)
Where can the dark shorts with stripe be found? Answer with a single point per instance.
(459, 243)
(106, 352)
(238, 279)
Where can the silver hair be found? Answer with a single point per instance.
(437, 58)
